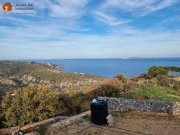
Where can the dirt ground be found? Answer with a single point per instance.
(126, 123)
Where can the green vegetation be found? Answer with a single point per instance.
(159, 70)
(155, 71)
(23, 104)
(43, 71)
(32, 104)
(110, 88)
(23, 99)
(5, 88)
(122, 78)
(79, 103)
(172, 68)
(155, 93)
(173, 75)
(29, 105)
(42, 130)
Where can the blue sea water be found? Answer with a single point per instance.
(112, 67)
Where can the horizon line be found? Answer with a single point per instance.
(88, 58)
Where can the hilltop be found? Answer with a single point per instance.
(39, 91)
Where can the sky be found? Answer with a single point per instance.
(70, 29)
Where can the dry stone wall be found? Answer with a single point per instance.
(142, 105)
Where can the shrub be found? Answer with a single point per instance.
(130, 87)
(29, 105)
(73, 104)
(65, 104)
(79, 103)
(155, 71)
(104, 90)
(111, 88)
(5, 88)
(1, 118)
(122, 78)
(173, 68)
(163, 80)
(152, 82)
(176, 86)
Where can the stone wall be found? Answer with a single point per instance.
(142, 105)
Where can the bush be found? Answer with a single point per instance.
(130, 87)
(122, 78)
(65, 104)
(105, 90)
(163, 80)
(111, 88)
(1, 118)
(173, 68)
(5, 88)
(29, 105)
(79, 103)
(176, 86)
(155, 71)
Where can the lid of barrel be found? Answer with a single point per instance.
(98, 101)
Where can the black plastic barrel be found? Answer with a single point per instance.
(99, 112)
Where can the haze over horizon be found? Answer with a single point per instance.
(79, 29)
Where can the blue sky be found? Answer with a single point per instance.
(60, 29)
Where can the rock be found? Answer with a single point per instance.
(29, 77)
(34, 80)
(176, 109)
(24, 82)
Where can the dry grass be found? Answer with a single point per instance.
(126, 123)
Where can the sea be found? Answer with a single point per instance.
(112, 67)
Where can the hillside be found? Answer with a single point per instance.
(41, 91)
(21, 74)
